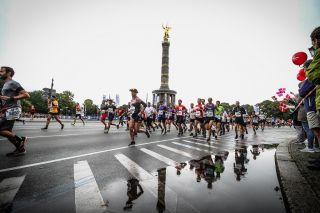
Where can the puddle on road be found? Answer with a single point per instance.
(242, 180)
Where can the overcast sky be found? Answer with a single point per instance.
(228, 50)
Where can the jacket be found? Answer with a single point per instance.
(313, 74)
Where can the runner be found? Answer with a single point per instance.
(32, 110)
(255, 122)
(53, 106)
(224, 123)
(262, 118)
(78, 114)
(192, 117)
(136, 119)
(170, 116)
(111, 109)
(181, 111)
(209, 109)
(11, 94)
(199, 119)
(238, 113)
(103, 108)
(150, 113)
(162, 110)
(120, 114)
(218, 114)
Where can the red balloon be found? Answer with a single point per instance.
(302, 73)
(301, 76)
(299, 58)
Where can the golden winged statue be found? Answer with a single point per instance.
(166, 32)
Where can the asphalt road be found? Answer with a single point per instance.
(81, 169)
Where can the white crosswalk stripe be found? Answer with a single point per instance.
(159, 157)
(8, 190)
(192, 147)
(87, 194)
(133, 168)
(176, 151)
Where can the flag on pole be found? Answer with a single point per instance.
(104, 97)
(117, 99)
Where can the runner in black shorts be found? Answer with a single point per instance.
(11, 93)
(238, 113)
(210, 112)
(181, 110)
(111, 109)
(136, 108)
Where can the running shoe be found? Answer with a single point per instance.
(147, 133)
(62, 126)
(118, 126)
(132, 143)
(307, 150)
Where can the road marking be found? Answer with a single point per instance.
(8, 190)
(200, 144)
(160, 157)
(66, 135)
(87, 193)
(79, 156)
(192, 147)
(176, 151)
(133, 168)
(214, 145)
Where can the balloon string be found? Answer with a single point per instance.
(302, 100)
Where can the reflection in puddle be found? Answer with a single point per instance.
(132, 193)
(236, 181)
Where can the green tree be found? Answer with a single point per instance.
(36, 99)
(66, 102)
(226, 106)
(91, 109)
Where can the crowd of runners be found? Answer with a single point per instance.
(204, 118)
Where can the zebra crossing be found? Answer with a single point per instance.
(87, 195)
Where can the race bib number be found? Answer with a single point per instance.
(198, 114)
(160, 112)
(179, 113)
(238, 114)
(110, 110)
(192, 116)
(209, 114)
(132, 109)
(103, 111)
(255, 120)
(13, 113)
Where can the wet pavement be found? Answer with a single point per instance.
(95, 172)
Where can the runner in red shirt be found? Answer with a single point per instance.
(199, 117)
(120, 113)
(180, 110)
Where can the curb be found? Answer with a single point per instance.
(297, 193)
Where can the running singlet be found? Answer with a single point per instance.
(255, 119)
(135, 106)
(199, 111)
(78, 109)
(209, 109)
(180, 110)
(149, 111)
(192, 113)
(120, 112)
(111, 109)
(239, 112)
(162, 110)
(262, 117)
(219, 111)
(54, 106)
(170, 113)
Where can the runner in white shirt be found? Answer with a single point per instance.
(192, 117)
(150, 113)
